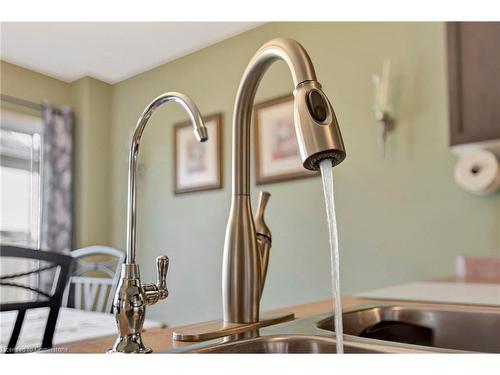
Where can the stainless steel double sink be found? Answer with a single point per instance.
(385, 328)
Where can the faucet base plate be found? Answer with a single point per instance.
(218, 328)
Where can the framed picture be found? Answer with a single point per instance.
(277, 155)
(197, 165)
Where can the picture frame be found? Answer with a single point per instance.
(198, 165)
(277, 155)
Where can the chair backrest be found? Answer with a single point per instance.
(474, 267)
(48, 261)
(95, 277)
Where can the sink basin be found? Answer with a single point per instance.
(402, 328)
(284, 344)
(474, 329)
(299, 336)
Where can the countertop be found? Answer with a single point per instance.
(160, 339)
(446, 292)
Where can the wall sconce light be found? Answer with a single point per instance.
(382, 108)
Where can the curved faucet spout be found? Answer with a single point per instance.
(318, 137)
(302, 70)
(200, 132)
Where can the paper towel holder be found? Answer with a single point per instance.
(478, 172)
(382, 108)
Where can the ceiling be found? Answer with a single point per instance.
(109, 51)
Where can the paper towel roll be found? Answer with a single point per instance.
(478, 172)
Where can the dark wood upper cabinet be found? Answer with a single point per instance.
(474, 81)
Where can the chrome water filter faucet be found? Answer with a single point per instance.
(132, 296)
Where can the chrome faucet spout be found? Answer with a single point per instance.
(200, 132)
(132, 296)
(319, 138)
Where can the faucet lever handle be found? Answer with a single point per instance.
(155, 292)
(264, 236)
(161, 280)
(260, 224)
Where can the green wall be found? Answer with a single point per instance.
(400, 219)
(91, 101)
(29, 85)
(92, 104)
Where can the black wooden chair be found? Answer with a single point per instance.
(61, 265)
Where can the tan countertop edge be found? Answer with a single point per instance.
(160, 339)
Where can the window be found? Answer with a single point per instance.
(20, 195)
(20, 176)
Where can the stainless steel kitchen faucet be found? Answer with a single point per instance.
(132, 296)
(246, 247)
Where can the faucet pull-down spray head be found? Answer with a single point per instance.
(318, 132)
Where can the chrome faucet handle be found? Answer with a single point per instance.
(161, 272)
(264, 236)
(158, 291)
